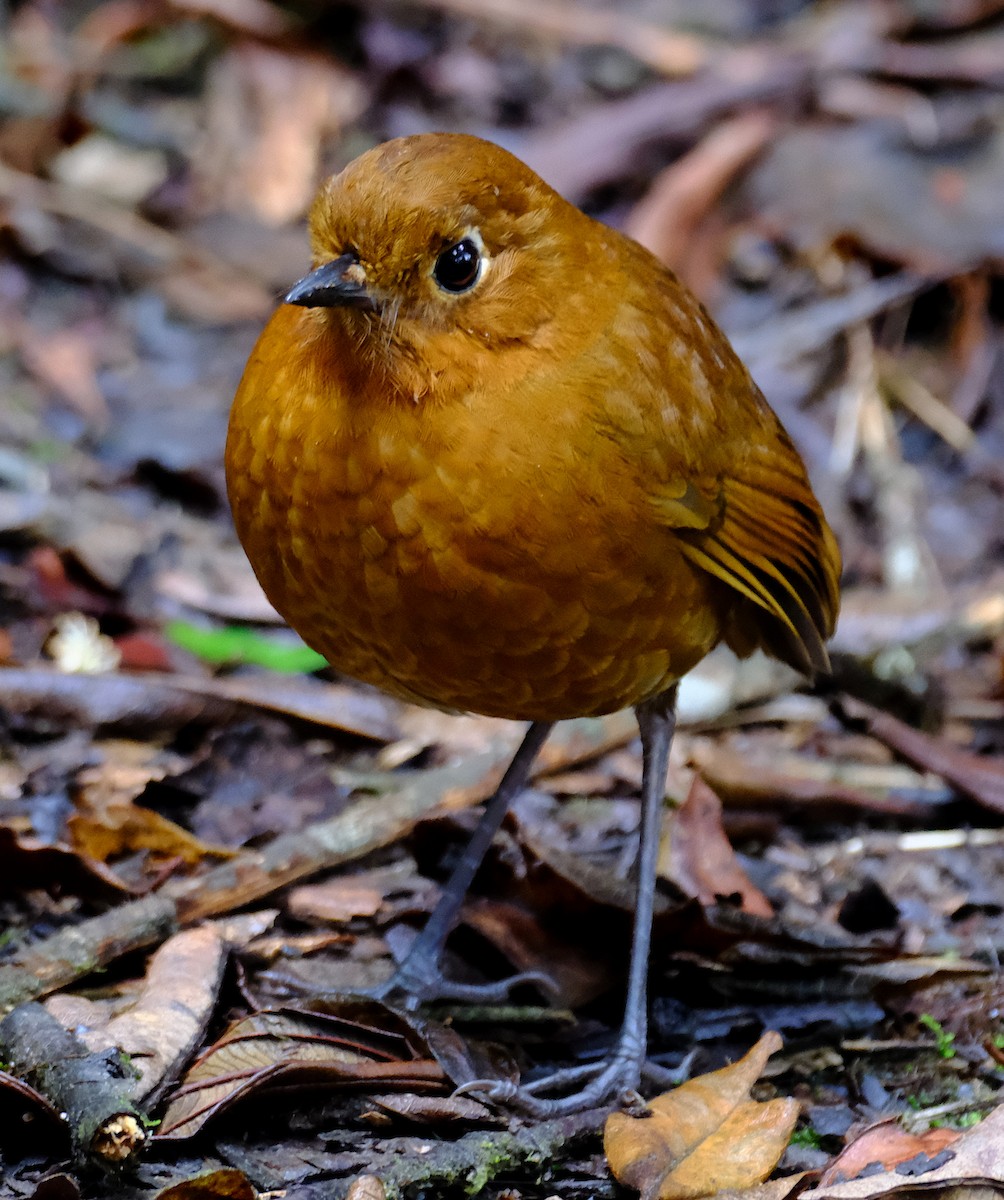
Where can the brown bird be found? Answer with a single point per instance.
(492, 456)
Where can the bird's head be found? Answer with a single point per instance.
(437, 252)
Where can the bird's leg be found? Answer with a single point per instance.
(418, 977)
(623, 1070)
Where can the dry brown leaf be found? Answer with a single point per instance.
(269, 111)
(65, 361)
(366, 1187)
(225, 1184)
(826, 180)
(337, 900)
(383, 893)
(107, 822)
(577, 974)
(169, 1015)
(707, 1136)
(433, 1110)
(696, 855)
(974, 1163)
(288, 1048)
(889, 1144)
(26, 861)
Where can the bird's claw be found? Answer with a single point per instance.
(496, 1091)
(411, 989)
(614, 1082)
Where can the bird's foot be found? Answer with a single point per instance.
(615, 1081)
(419, 980)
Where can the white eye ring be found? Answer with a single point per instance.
(462, 265)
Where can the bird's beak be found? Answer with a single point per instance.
(337, 284)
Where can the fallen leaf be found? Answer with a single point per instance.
(826, 180)
(433, 1110)
(57, 1186)
(227, 1184)
(65, 361)
(975, 1161)
(107, 823)
(707, 1136)
(143, 651)
(366, 1187)
(269, 111)
(286, 1048)
(696, 855)
(888, 1144)
(26, 861)
(383, 890)
(169, 1015)
(576, 976)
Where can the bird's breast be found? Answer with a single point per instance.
(471, 555)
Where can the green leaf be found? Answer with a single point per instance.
(943, 1039)
(237, 644)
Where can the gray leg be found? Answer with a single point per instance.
(418, 977)
(622, 1072)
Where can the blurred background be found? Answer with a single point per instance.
(826, 176)
(829, 178)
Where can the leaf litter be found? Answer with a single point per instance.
(706, 1137)
(155, 164)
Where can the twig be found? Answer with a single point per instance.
(78, 950)
(90, 1091)
(807, 330)
(666, 219)
(604, 142)
(925, 405)
(975, 775)
(110, 701)
(864, 422)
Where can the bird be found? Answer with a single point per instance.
(491, 456)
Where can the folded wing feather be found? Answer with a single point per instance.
(765, 536)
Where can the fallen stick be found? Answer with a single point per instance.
(90, 1091)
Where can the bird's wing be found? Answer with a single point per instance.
(758, 527)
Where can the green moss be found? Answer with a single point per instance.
(942, 1038)
(807, 1136)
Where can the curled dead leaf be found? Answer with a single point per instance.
(696, 854)
(973, 1164)
(225, 1184)
(705, 1137)
(888, 1144)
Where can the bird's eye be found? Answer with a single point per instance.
(458, 267)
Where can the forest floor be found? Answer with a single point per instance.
(208, 840)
